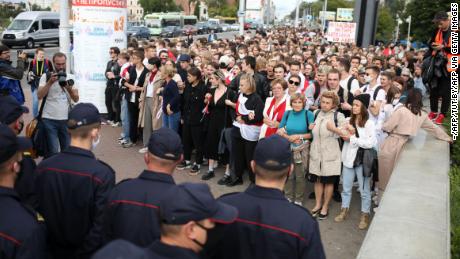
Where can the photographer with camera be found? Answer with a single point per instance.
(58, 92)
(39, 66)
(10, 77)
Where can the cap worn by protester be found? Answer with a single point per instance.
(165, 143)
(273, 153)
(224, 61)
(440, 16)
(120, 249)
(194, 202)
(184, 57)
(364, 99)
(10, 109)
(11, 144)
(405, 72)
(83, 114)
(362, 71)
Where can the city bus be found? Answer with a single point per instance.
(157, 21)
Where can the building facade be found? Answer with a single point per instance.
(135, 11)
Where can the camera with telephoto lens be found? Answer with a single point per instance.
(62, 79)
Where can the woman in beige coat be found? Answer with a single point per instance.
(325, 154)
(404, 122)
(150, 102)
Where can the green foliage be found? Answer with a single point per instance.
(151, 6)
(455, 211)
(7, 13)
(221, 8)
(454, 194)
(385, 24)
(422, 13)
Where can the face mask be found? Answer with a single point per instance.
(368, 79)
(20, 127)
(178, 48)
(395, 101)
(96, 142)
(214, 237)
(241, 56)
(363, 62)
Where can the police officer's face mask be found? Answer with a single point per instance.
(96, 141)
(214, 236)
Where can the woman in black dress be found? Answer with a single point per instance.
(221, 105)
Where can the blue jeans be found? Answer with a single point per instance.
(125, 119)
(171, 121)
(58, 137)
(348, 175)
(34, 101)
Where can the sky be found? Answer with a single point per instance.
(284, 7)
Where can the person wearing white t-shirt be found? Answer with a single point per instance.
(59, 96)
(372, 73)
(347, 82)
(294, 69)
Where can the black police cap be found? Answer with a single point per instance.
(165, 143)
(11, 144)
(10, 109)
(83, 114)
(273, 153)
(194, 202)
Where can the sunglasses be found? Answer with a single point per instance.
(296, 83)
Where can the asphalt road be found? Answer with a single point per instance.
(340, 240)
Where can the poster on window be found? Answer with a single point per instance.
(97, 26)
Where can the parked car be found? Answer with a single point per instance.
(202, 28)
(214, 27)
(31, 28)
(170, 32)
(234, 27)
(138, 32)
(189, 29)
(225, 27)
(247, 26)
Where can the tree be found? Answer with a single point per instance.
(385, 24)
(152, 6)
(422, 13)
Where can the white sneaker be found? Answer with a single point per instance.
(298, 203)
(122, 142)
(143, 150)
(116, 124)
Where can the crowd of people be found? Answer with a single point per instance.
(283, 106)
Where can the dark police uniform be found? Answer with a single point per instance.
(22, 230)
(73, 187)
(25, 183)
(269, 226)
(121, 249)
(132, 211)
(159, 250)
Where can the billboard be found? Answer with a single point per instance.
(343, 32)
(330, 16)
(345, 14)
(253, 16)
(98, 25)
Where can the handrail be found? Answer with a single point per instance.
(413, 218)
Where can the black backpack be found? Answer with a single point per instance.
(376, 92)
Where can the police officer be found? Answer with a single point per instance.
(11, 114)
(268, 225)
(188, 214)
(132, 209)
(121, 249)
(73, 187)
(22, 230)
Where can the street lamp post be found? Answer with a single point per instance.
(64, 30)
(323, 22)
(297, 13)
(241, 14)
(409, 20)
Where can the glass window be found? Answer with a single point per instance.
(50, 24)
(19, 24)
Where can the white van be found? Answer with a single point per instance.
(31, 28)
